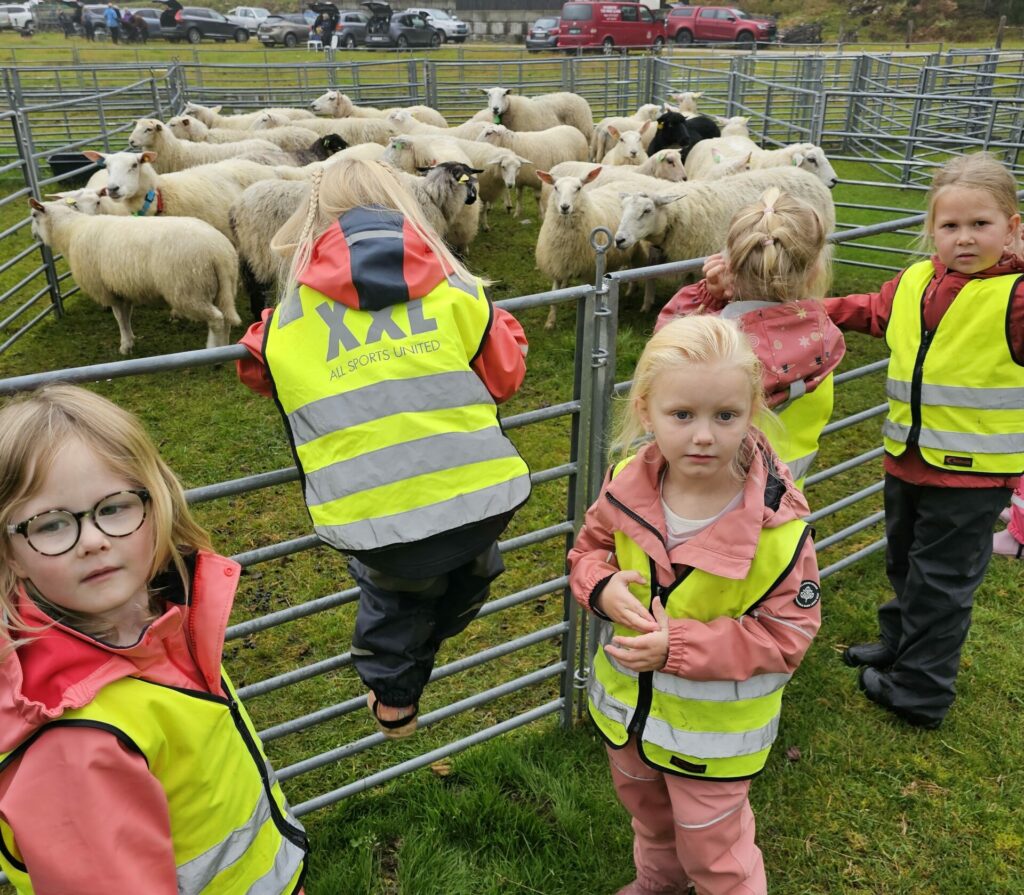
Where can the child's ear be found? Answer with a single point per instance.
(643, 413)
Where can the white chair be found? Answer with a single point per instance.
(314, 43)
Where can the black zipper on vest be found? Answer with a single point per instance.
(292, 834)
(645, 679)
(917, 378)
(636, 517)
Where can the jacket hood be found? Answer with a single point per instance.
(370, 259)
(795, 341)
(726, 547)
(61, 668)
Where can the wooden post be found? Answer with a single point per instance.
(910, 32)
(999, 32)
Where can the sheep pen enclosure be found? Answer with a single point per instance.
(885, 120)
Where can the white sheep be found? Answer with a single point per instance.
(602, 141)
(691, 220)
(807, 156)
(404, 123)
(205, 192)
(726, 167)
(177, 155)
(564, 252)
(444, 193)
(180, 261)
(288, 137)
(630, 148)
(352, 130)
(211, 117)
(655, 174)
(335, 104)
(686, 102)
(536, 113)
(544, 149)
(737, 126)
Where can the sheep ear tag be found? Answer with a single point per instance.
(660, 125)
(497, 119)
(464, 178)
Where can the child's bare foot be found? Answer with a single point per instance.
(1005, 544)
(393, 722)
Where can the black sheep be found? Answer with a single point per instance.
(676, 131)
(321, 148)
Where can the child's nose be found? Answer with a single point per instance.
(91, 537)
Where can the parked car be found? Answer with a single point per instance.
(448, 26)
(592, 23)
(289, 30)
(399, 29)
(351, 30)
(193, 23)
(151, 17)
(18, 17)
(543, 34)
(247, 16)
(686, 24)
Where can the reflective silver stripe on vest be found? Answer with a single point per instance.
(372, 234)
(415, 524)
(797, 390)
(686, 742)
(962, 442)
(386, 466)
(418, 394)
(799, 467)
(711, 691)
(1017, 501)
(958, 395)
(286, 862)
(197, 874)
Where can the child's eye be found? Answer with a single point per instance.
(50, 524)
(727, 415)
(112, 509)
(681, 414)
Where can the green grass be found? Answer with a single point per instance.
(871, 807)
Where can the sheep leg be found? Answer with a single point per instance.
(508, 200)
(549, 324)
(519, 200)
(484, 223)
(254, 289)
(123, 315)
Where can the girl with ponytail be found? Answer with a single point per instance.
(770, 278)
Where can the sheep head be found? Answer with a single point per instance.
(124, 170)
(641, 217)
(497, 100)
(146, 133)
(205, 114)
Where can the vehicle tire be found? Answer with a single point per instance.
(442, 37)
(193, 35)
(684, 37)
(241, 36)
(349, 43)
(607, 45)
(436, 40)
(659, 42)
(290, 41)
(746, 38)
(403, 42)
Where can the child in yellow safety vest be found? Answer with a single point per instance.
(696, 559)
(127, 763)
(954, 436)
(770, 279)
(387, 362)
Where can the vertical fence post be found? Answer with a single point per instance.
(158, 109)
(413, 80)
(26, 151)
(430, 82)
(915, 124)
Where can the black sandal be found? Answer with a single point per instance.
(397, 728)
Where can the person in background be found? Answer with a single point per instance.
(770, 280)
(697, 561)
(112, 19)
(954, 436)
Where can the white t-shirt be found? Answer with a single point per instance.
(680, 530)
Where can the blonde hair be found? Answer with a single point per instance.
(340, 187)
(688, 342)
(777, 250)
(35, 427)
(977, 171)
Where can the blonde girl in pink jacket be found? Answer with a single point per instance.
(697, 561)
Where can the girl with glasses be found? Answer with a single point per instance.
(126, 762)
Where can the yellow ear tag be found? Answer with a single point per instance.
(464, 178)
(660, 126)
(68, 200)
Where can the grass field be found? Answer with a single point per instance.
(865, 806)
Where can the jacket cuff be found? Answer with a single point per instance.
(676, 648)
(595, 593)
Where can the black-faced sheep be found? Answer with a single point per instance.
(676, 131)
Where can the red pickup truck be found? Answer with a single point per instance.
(686, 24)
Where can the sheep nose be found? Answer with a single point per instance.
(620, 242)
(112, 191)
(834, 181)
(564, 209)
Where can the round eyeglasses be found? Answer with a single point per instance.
(57, 531)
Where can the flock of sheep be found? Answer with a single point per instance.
(211, 190)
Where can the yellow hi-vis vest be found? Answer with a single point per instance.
(956, 390)
(396, 437)
(231, 828)
(713, 729)
(800, 419)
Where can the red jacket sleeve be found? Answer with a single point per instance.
(866, 313)
(501, 362)
(769, 639)
(692, 299)
(88, 817)
(253, 370)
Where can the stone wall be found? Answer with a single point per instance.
(503, 24)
